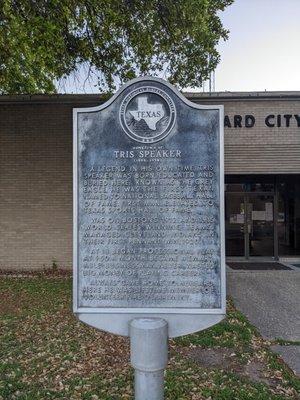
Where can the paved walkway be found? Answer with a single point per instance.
(291, 355)
(271, 302)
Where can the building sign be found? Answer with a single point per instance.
(270, 120)
(148, 210)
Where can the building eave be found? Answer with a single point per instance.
(193, 96)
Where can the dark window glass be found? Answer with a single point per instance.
(260, 224)
(234, 187)
(250, 183)
(260, 187)
(234, 224)
(258, 191)
(288, 217)
(249, 187)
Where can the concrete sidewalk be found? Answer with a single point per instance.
(271, 302)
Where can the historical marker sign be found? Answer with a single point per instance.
(148, 210)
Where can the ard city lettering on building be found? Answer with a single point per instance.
(270, 120)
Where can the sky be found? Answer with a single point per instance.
(262, 52)
(263, 49)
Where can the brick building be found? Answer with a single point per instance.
(262, 167)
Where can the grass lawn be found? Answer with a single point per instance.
(46, 353)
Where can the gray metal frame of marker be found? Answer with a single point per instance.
(181, 321)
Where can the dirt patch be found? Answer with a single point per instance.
(211, 358)
(256, 371)
(10, 304)
(226, 359)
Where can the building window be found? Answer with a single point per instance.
(288, 217)
(259, 209)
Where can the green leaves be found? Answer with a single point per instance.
(43, 41)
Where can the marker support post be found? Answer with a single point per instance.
(149, 356)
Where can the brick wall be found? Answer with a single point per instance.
(36, 170)
(260, 149)
(36, 185)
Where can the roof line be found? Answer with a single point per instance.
(95, 99)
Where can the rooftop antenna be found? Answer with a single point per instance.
(212, 86)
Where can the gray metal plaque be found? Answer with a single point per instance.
(148, 210)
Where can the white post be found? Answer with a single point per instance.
(149, 356)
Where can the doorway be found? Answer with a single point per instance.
(249, 223)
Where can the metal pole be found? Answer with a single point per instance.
(149, 356)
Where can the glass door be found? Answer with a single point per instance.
(235, 224)
(259, 233)
(249, 225)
